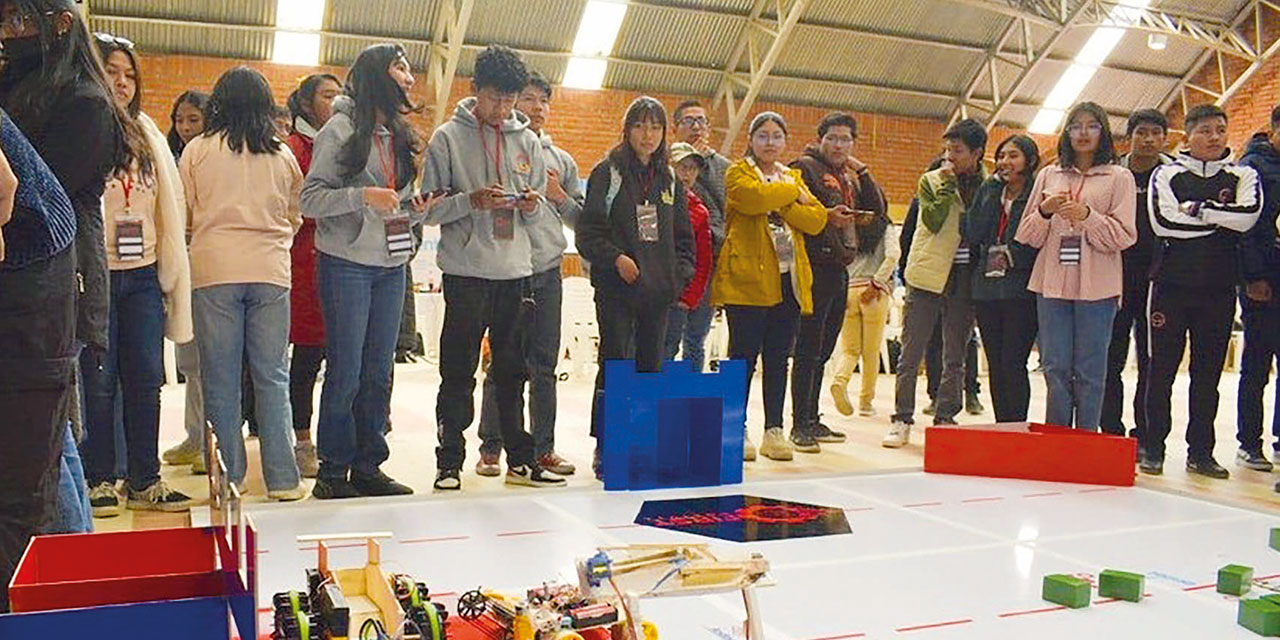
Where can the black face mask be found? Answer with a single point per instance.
(22, 56)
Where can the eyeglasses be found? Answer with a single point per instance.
(113, 41)
(692, 121)
(1077, 129)
(764, 137)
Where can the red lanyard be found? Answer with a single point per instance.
(1075, 197)
(497, 149)
(126, 185)
(1006, 207)
(387, 156)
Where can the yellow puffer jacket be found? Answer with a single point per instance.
(748, 273)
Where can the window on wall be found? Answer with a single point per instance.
(597, 33)
(297, 37)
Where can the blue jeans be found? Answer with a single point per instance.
(361, 307)
(73, 513)
(541, 354)
(1074, 337)
(689, 329)
(233, 320)
(134, 365)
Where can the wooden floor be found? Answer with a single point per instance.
(413, 442)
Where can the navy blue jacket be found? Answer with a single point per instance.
(1259, 256)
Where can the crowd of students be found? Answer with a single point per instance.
(268, 246)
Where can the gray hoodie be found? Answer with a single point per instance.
(463, 158)
(346, 227)
(547, 232)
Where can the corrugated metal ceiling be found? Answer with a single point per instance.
(680, 46)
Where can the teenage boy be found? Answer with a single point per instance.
(542, 346)
(495, 171)
(1199, 207)
(937, 279)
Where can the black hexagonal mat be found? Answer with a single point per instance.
(743, 518)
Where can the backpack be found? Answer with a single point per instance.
(615, 184)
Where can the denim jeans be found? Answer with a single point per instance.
(473, 306)
(361, 306)
(133, 366)
(188, 361)
(541, 354)
(1074, 337)
(233, 320)
(1261, 349)
(73, 513)
(688, 330)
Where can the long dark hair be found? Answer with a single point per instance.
(240, 110)
(107, 45)
(1106, 153)
(301, 100)
(197, 99)
(1031, 151)
(66, 60)
(644, 109)
(375, 92)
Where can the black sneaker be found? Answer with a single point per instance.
(973, 406)
(379, 484)
(804, 442)
(335, 489)
(944, 422)
(105, 500)
(930, 408)
(159, 497)
(1208, 467)
(597, 465)
(448, 480)
(1151, 465)
(823, 433)
(531, 476)
(1278, 487)
(1253, 460)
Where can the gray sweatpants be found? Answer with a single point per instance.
(923, 310)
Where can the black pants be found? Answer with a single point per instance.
(816, 338)
(933, 364)
(768, 333)
(1008, 332)
(1132, 316)
(1261, 350)
(407, 339)
(37, 351)
(304, 366)
(473, 306)
(1175, 311)
(628, 331)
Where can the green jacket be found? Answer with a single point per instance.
(933, 248)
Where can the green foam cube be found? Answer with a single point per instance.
(1121, 585)
(1068, 591)
(1235, 579)
(1275, 538)
(1273, 598)
(1260, 616)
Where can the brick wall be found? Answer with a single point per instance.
(585, 123)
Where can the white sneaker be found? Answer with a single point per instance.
(748, 447)
(184, 453)
(775, 445)
(866, 410)
(840, 395)
(288, 495)
(899, 435)
(105, 500)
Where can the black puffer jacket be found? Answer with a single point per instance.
(666, 266)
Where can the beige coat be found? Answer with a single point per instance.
(172, 265)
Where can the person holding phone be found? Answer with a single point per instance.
(361, 179)
(494, 166)
(1080, 215)
(764, 279)
(1006, 310)
(635, 232)
(855, 218)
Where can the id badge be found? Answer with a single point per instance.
(1069, 249)
(399, 236)
(999, 261)
(647, 222)
(962, 256)
(783, 244)
(129, 241)
(504, 224)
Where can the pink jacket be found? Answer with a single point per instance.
(1110, 194)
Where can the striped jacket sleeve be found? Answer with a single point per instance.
(1242, 214)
